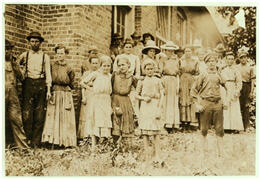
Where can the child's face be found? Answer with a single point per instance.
(211, 63)
(149, 70)
(123, 66)
(128, 48)
(106, 67)
(243, 60)
(95, 64)
(230, 60)
(60, 53)
(151, 53)
(201, 55)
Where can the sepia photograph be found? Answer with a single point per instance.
(155, 89)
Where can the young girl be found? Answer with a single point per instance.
(123, 118)
(101, 100)
(134, 68)
(232, 116)
(150, 93)
(189, 68)
(85, 123)
(60, 123)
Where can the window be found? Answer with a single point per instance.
(120, 19)
(182, 24)
(162, 24)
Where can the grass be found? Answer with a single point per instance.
(180, 153)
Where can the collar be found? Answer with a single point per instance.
(33, 52)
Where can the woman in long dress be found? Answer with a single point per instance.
(60, 123)
(189, 69)
(85, 120)
(232, 116)
(170, 79)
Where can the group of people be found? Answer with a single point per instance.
(139, 87)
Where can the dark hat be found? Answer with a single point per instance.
(151, 45)
(147, 35)
(35, 35)
(117, 36)
(136, 35)
(8, 44)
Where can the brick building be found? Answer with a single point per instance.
(80, 26)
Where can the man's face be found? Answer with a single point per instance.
(243, 60)
(211, 63)
(230, 60)
(35, 44)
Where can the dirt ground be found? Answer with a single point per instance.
(180, 153)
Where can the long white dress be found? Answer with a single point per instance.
(232, 116)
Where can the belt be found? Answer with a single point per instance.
(230, 81)
(211, 99)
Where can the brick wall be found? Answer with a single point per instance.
(20, 20)
(76, 26)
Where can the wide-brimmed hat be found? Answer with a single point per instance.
(136, 35)
(36, 35)
(117, 36)
(147, 35)
(151, 45)
(8, 44)
(169, 45)
(220, 48)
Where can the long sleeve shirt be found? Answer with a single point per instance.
(207, 85)
(34, 65)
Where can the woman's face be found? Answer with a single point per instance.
(60, 53)
(147, 38)
(149, 70)
(230, 60)
(106, 67)
(188, 52)
(168, 52)
(128, 48)
(95, 64)
(151, 53)
(123, 66)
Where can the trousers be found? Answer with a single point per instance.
(34, 108)
(13, 117)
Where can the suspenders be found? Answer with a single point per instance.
(26, 65)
